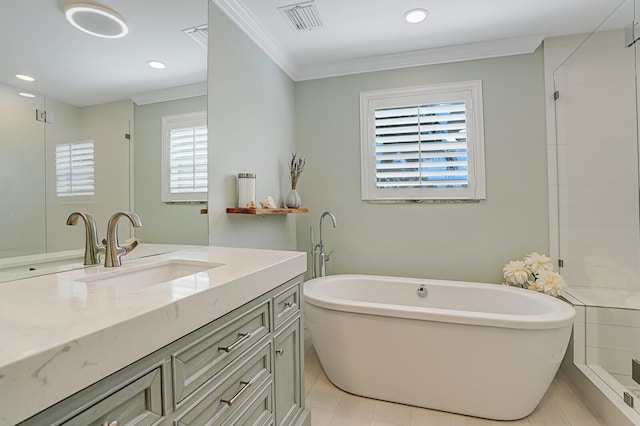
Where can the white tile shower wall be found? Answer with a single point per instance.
(597, 176)
(555, 51)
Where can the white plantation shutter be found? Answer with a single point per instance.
(75, 169)
(185, 148)
(188, 160)
(423, 143)
(421, 146)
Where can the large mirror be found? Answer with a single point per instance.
(94, 97)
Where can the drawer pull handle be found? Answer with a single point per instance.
(280, 351)
(288, 303)
(241, 338)
(108, 423)
(229, 402)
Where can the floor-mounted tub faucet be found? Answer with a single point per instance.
(114, 251)
(91, 247)
(318, 249)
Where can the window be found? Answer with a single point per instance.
(75, 169)
(423, 143)
(184, 151)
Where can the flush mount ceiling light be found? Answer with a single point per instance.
(26, 95)
(156, 65)
(415, 16)
(25, 77)
(95, 19)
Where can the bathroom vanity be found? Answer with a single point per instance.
(215, 338)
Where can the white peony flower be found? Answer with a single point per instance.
(516, 273)
(534, 286)
(537, 263)
(551, 282)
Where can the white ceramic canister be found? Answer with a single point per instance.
(246, 189)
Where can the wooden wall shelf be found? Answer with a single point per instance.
(233, 210)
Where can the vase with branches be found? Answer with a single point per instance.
(292, 199)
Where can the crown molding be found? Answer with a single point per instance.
(170, 94)
(441, 55)
(239, 14)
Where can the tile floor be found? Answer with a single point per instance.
(331, 406)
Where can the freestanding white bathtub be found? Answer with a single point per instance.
(483, 350)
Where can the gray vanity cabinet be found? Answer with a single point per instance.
(245, 368)
(288, 373)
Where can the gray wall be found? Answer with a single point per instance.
(251, 129)
(451, 241)
(162, 223)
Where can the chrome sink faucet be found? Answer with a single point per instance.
(113, 249)
(318, 249)
(91, 247)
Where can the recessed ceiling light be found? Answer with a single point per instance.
(156, 65)
(27, 95)
(25, 77)
(95, 19)
(415, 16)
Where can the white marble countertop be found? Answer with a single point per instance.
(60, 334)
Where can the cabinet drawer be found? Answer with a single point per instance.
(203, 359)
(139, 403)
(258, 411)
(287, 303)
(227, 400)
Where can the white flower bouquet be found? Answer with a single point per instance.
(535, 273)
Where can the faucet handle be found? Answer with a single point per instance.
(130, 244)
(327, 256)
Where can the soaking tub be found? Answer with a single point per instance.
(483, 350)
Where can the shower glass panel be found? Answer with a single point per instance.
(598, 214)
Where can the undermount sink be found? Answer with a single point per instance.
(151, 274)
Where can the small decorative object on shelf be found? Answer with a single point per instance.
(268, 203)
(292, 199)
(535, 273)
(246, 189)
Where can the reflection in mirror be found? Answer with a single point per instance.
(22, 174)
(90, 138)
(75, 159)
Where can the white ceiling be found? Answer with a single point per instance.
(364, 35)
(359, 35)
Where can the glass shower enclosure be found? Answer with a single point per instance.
(597, 189)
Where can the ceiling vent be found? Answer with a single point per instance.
(200, 34)
(302, 16)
